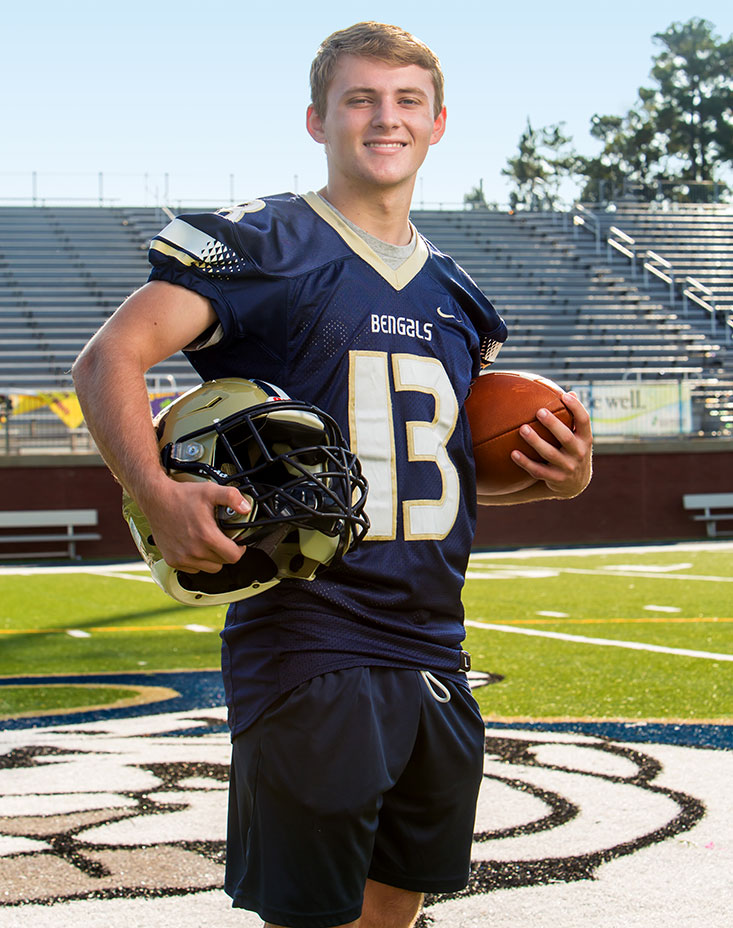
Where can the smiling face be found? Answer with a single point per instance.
(378, 125)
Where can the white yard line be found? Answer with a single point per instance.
(120, 575)
(104, 569)
(603, 642)
(485, 572)
(655, 575)
(525, 553)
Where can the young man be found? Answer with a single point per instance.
(357, 746)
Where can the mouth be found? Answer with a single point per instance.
(385, 146)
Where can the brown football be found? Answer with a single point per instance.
(500, 403)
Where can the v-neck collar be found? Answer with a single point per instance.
(398, 278)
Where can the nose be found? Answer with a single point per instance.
(386, 114)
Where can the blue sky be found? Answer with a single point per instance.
(214, 94)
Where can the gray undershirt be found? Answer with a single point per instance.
(392, 255)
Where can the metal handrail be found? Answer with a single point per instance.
(695, 284)
(157, 383)
(621, 234)
(650, 266)
(583, 217)
(653, 263)
(622, 243)
(706, 301)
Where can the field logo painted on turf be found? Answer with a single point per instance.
(123, 809)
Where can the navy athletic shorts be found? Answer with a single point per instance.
(356, 774)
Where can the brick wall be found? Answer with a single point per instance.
(635, 496)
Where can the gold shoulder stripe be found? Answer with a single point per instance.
(187, 238)
(166, 249)
(191, 246)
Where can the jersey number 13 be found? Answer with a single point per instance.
(372, 428)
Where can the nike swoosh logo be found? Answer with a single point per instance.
(443, 315)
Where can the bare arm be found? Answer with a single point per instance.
(109, 375)
(568, 469)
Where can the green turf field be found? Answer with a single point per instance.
(679, 599)
(675, 598)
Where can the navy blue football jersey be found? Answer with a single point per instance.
(304, 303)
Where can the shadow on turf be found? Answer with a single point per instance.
(103, 622)
(18, 641)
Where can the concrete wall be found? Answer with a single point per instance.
(635, 496)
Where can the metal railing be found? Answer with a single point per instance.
(41, 432)
(623, 243)
(150, 189)
(703, 297)
(51, 422)
(686, 288)
(655, 264)
(583, 218)
(710, 413)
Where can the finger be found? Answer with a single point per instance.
(565, 471)
(210, 560)
(230, 498)
(581, 416)
(207, 567)
(200, 545)
(534, 468)
(548, 450)
(219, 547)
(566, 480)
(556, 426)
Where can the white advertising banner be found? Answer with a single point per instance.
(636, 408)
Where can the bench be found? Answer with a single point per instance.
(714, 508)
(46, 525)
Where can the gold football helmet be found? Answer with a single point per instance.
(287, 457)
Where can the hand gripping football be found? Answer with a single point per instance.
(499, 404)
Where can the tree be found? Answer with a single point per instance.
(680, 130)
(544, 160)
(693, 97)
(631, 155)
(475, 198)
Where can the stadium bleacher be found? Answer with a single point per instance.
(572, 317)
(63, 271)
(574, 314)
(690, 243)
(697, 240)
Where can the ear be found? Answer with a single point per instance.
(438, 127)
(314, 124)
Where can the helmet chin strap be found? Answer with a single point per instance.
(269, 542)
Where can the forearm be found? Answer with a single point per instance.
(109, 374)
(113, 396)
(538, 491)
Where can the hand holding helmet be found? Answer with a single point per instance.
(287, 458)
(182, 517)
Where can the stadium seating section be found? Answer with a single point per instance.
(575, 314)
(698, 242)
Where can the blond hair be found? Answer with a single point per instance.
(372, 40)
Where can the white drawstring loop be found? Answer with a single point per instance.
(442, 694)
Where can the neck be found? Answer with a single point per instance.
(384, 215)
